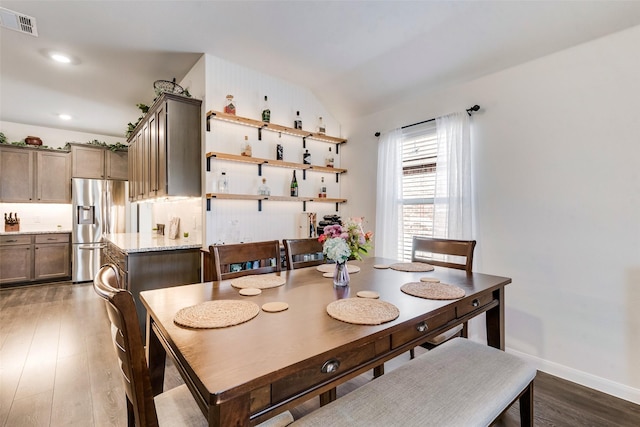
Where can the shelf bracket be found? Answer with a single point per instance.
(260, 205)
(304, 174)
(337, 148)
(259, 169)
(209, 123)
(304, 142)
(337, 177)
(208, 164)
(337, 206)
(304, 206)
(208, 204)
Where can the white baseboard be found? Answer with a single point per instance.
(601, 384)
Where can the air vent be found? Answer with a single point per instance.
(18, 22)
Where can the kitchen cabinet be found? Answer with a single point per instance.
(32, 175)
(167, 150)
(27, 258)
(97, 162)
(145, 270)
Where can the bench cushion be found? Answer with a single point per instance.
(459, 383)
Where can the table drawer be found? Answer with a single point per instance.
(319, 369)
(15, 239)
(417, 329)
(469, 305)
(52, 238)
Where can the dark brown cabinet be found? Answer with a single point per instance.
(97, 162)
(165, 150)
(34, 175)
(34, 257)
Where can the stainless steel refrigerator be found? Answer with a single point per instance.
(99, 207)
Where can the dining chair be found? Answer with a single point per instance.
(175, 407)
(301, 253)
(456, 254)
(266, 254)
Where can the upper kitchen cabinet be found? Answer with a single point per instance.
(97, 162)
(165, 150)
(34, 175)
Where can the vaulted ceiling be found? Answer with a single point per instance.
(357, 57)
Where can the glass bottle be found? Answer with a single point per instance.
(328, 161)
(246, 148)
(306, 157)
(223, 183)
(322, 193)
(266, 112)
(230, 105)
(294, 185)
(264, 189)
(297, 123)
(321, 128)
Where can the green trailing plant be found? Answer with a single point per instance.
(118, 146)
(3, 139)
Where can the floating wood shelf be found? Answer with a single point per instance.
(273, 127)
(260, 198)
(270, 162)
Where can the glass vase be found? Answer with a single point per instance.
(341, 275)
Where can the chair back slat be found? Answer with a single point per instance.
(127, 342)
(425, 247)
(295, 251)
(263, 252)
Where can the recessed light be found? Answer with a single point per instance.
(59, 57)
(64, 117)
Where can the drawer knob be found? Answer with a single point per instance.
(422, 327)
(476, 303)
(330, 366)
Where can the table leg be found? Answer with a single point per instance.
(234, 412)
(156, 357)
(495, 321)
(328, 396)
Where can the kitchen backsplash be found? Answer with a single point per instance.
(40, 217)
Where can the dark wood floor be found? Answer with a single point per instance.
(58, 368)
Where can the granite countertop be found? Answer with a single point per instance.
(138, 242)
(11, 233)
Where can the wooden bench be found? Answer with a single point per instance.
(459, 383)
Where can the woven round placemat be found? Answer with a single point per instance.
(411, 266)
(258, 281)
(329, 268)
(432, 290)
(216, 314)
(363, 311)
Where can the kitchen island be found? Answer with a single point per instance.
(152, 261)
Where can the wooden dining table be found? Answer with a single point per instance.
(244, 374)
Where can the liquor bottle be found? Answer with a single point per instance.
(328, 161)
(323, 189)
(266, 112)
(230, 105)
(294, 185)
(264, 189)
(246, 148)
(321, 129)
(297, 123)
(306, 157)
(279, 152)
(223, 183)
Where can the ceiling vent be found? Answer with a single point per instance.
(18, 22)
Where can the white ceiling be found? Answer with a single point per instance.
(357, 57)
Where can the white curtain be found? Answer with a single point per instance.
(389, 195)
(453, 195)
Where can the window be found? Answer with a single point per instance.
(419, 151)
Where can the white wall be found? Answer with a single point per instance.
(231, 221)
(51, 137)
(557, 180)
